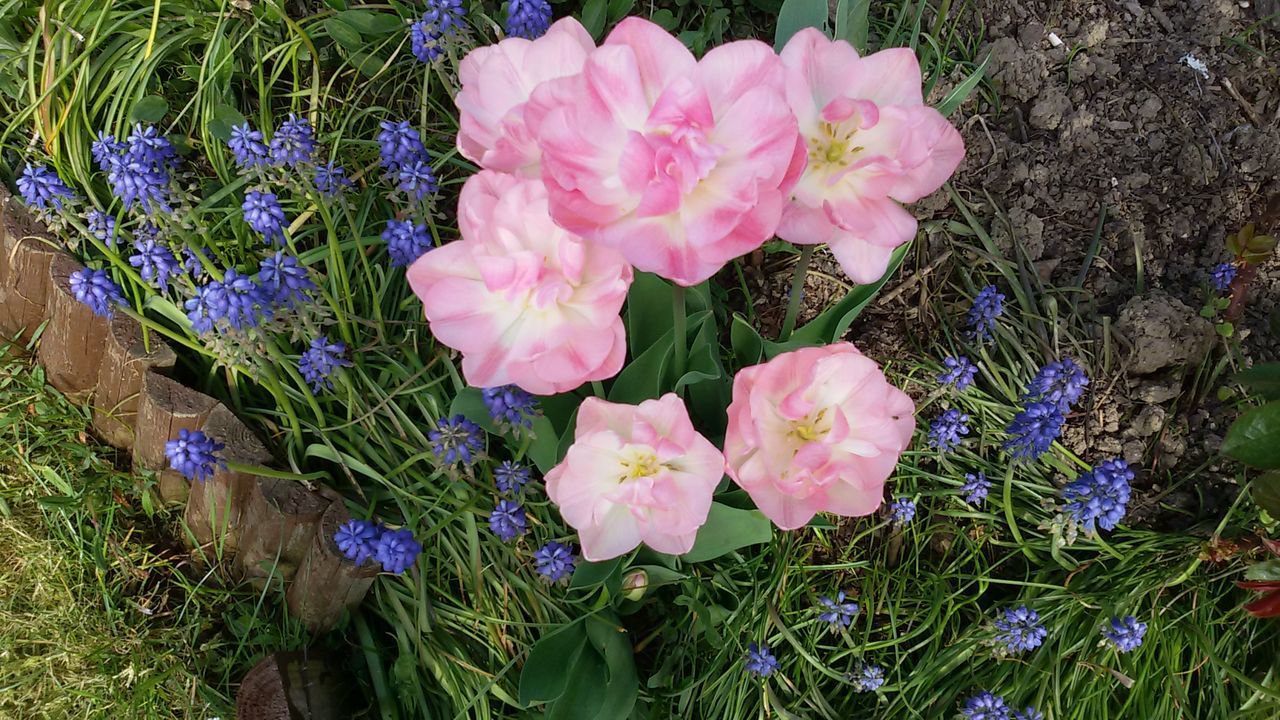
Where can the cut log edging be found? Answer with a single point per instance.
(271, 530)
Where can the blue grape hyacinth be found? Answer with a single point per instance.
(193, 454)
(1061, 383)
(554, 561)
(1222, 276)
(902, 511)
(510, 405)
(837, 612)
(41, 188)
(358, 539)
(247, 147)
(508, 520)
(416, 179)
(986, 706)
(1029, 713)
(867, 678)
(406, 241)
(317, 364)
(399, 144)
(155, 263)
(759, 661)
(959, 372)
(396, 550)
(1125, 634)
(102, 226)
(331, 180)
(1020, 630)
(446, 16)
(263, 213)
(947, 430)
(527, 19)
(293, 142)
(975, 488)
(987, 307)
(1033, 430)
(284, 280)
(457, 440)
(104, 149)
(1099, 498)
(510, 477)
(95, 289)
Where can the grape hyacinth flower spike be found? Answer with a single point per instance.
(193, 454)
(1099, 498)
(457, 440)
(959, 372)
(358, 540)
(396, 550)
(554, 561)
(1020, 630)
(759, 661)
(947, 429)
(528, 19)
(318, 363)
(1222, 276)
(508, 520)
(867, 678)
(95, 289)
(975, 488)
(510, 477)
(1125, 634)
(987, 307)
(837, 612)
(41, 188)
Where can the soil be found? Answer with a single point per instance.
(1165, 113)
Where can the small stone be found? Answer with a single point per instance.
(1149, 422)
(1164, 332)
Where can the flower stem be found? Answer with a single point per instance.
(797, 292)
(680, 334)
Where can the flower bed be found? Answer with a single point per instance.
(593, 486)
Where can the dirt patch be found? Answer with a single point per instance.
(1165, 113)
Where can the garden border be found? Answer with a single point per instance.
(270, 528)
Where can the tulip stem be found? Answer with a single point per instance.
(680, 339)
(797, 292)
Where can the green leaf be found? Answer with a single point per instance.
(748, 346)
(345, 35)
(1254, 438)
(619, 9)
(664, 19)
(150, 109)
(704, 352)
(832, 323)
(659, 575)
(643, 378)
(593, 16)
(648, 311)
(797, 15)
(1263, 379)
(728, 529)
(956, 97)
(582, 699)
(591, 574)
(610, 641)
(223, 119)
(1268, 571)
(544, 677)
(372, 23)
(852, 23)
(544, 450)
(1265, 490)
(368, 64)
(469, 403)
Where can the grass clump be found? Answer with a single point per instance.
(101, 615)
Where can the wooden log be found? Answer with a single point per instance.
(327, 583)
(71, 346)
(165, 406)
(294, 686)
(126, 359)
(26, 252)
(279, 523)
(216, 507)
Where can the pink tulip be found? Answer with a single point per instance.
(525, 301)
(871, 143)
(815, 430)
(681, 164)
(635, 474)
(496, 83)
